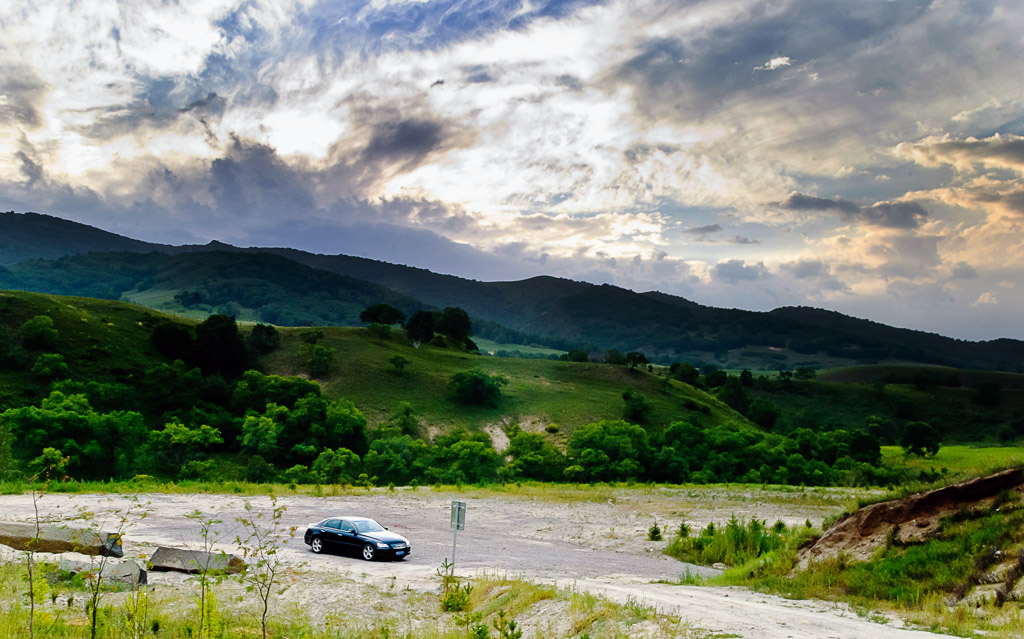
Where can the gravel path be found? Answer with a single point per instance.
(597, 546)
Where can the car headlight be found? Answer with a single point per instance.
(381, 544)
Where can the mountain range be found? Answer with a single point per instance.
(292, 287)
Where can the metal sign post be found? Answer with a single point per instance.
(458, 523)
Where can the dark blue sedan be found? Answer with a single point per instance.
(356, 535)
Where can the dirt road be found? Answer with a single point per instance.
(596, 545)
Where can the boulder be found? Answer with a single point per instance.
(194, 561)
(127, 570)
(58, 538)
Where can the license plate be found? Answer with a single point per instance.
(399, 553)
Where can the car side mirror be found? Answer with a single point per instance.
(386, 528)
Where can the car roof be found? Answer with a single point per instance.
(348, 518)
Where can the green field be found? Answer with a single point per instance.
(539, 392)
(959, 459)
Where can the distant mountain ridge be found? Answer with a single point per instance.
(546, 309)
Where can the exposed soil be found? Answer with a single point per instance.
(596, 544)
(911, 518)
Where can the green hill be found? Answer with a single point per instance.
(550, 311)
(964, 406)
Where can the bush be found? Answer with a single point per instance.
(476, 387)
(39, 333)
(654, 533)
(734, 544)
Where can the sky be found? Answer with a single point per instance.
(865, 157)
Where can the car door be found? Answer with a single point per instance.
(348, 540)
(331, 533)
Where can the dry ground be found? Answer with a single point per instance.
(593, 539)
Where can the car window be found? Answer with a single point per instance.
(368, 525)
(346, 526)
(332, 523)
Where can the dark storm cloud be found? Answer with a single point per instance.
(804, 269)
(22, 91)
(735, 271)
(894, 215)
(704, 230)
(742, 239)
(158, 103)
(404, 139)
(211, 104)
(803, 202)
(963, 271)
(697, 75)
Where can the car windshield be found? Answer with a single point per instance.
(368, 525)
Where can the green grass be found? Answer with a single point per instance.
(846, 398)
(490, 346)
(568, 394)
(105, 340)
(958, 459)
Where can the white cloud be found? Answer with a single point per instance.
(776, 63)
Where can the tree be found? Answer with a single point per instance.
(684, 373)
(382, 314)
(637, 406)
(476, 387)
(733, 395)
(219, 348)
(805, 373)
(614, 357)
(533, 457)
(263, 339)
(607, 450)
(336, 467)
(634, 359)
(763, 413)
(420, 327)
(172, 340)
(398, 362)
(380, 331)
(574, 356)
(318, 359)
(455, 324)
(261, 542)
(39, 333)
(919, 438)
(50, 366)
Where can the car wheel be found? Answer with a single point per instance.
(316, 545)
(369, 552)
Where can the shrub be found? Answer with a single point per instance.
(476, 387)
(654, 533)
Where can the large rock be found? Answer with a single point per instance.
(56, 538)
(126, 570)
(194, 561)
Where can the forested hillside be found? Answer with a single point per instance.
(101, 389)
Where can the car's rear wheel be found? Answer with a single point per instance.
(316, 545)
(369, 552)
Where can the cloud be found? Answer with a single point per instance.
(984, 299)
(893, 215)
(735, 271)
(742, 239)
(775, 63)
(704, 230)
(999, 151)
(22, 92)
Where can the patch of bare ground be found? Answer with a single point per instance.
(588, 545)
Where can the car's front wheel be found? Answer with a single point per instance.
(369, 552)
(316, 545)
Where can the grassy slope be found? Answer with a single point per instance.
(565, 393)
(107, 341)
(100, 340)
(845, 398)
